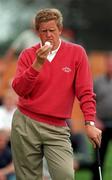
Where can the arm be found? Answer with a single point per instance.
(8, 169)
(27, 72)
(26, 76)
(86, 96)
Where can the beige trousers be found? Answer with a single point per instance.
(31, 140)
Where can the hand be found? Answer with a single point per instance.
(94, 135)
(41, 56)
(42, 53)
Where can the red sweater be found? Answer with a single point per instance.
(48, 95)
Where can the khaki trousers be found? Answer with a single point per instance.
(31, 140)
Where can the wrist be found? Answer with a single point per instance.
(89, 123)
(37, 66)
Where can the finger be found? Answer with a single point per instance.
(99, 139)
(96, 142)
(93, 143)
(42, 50)
(46, 48)
(43, 53)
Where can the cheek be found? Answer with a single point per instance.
(42, 38)
(57, 34)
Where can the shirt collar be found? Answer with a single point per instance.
(55, 51)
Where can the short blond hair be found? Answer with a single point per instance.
(45, 15)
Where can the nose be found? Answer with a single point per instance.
(48, 33)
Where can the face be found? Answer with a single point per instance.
(10, 101)
(49, 31)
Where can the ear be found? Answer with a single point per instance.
(60, 30)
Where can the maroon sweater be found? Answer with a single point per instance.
(48, 95)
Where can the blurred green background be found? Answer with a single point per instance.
(107, 173)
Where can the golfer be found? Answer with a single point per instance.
(49, 75)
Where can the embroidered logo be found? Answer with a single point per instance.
(66, 69)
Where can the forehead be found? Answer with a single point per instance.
(48, 24)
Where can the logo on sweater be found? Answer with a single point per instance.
(66, 69)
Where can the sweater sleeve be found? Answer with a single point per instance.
(84, 87)
(25, 77)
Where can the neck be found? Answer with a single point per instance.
(57, 46)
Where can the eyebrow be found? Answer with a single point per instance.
(45, 30)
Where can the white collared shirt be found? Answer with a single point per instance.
(52, 54)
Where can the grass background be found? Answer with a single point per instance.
(107, 174)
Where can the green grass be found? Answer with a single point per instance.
(107, 174)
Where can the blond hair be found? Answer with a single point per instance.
(45, 15)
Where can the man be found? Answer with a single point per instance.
(103, 90)
(49, 76)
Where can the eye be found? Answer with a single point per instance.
(43, 31)
(51, 30)
(47, 30)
